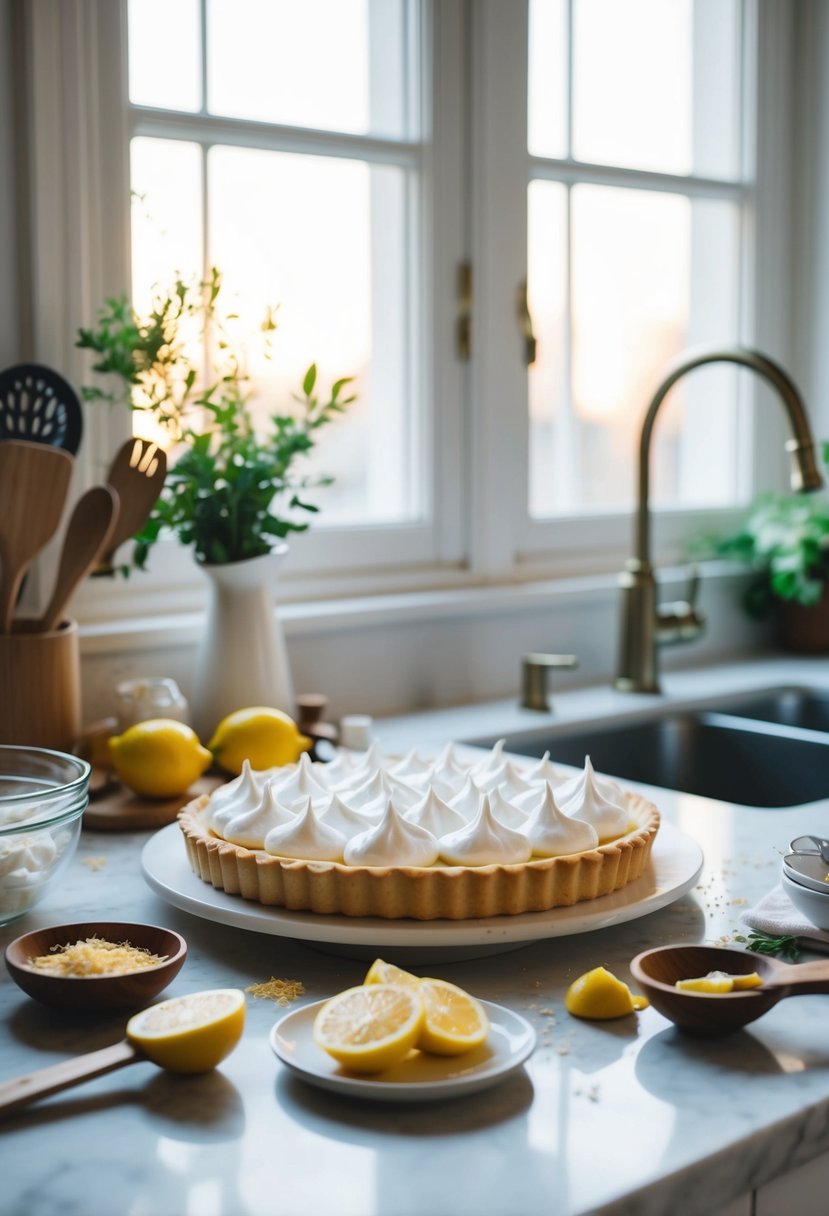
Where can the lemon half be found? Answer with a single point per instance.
(454, 1021)
(371, 1027)
(190, 1033)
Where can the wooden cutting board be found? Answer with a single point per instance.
(117, 809)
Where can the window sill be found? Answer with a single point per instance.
(308, 618)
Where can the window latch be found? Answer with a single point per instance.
(463, 305)
(525, 324)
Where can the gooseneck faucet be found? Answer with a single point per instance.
(644, 624)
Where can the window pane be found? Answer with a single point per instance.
(550, 469)
(332, 64)
(166, 214)
(164, 39)
(547, 112)
(652, 274)
(325, 240)
(656, 84)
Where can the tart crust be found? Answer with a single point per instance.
(438, 892)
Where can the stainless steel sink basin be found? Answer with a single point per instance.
(715, 755)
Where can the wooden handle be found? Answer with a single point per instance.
(87, 534)
(35, 1085)
(801, 977)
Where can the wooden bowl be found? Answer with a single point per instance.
(656, 972)
(96, 993)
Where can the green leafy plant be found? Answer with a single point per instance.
(234, 489)
(785, 538)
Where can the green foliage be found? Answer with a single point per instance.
(786, 539)
(764, 943)
(232, 492)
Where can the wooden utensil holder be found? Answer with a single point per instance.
(40, 686)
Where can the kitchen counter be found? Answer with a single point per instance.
(626, 1116)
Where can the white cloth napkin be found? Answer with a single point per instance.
(776, 915)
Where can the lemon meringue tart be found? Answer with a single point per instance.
(369, 835)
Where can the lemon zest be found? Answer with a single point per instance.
(280, 991)
(96, 956)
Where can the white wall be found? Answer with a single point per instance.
(10, 326)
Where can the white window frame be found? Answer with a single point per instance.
(508, 542)
(479, 533)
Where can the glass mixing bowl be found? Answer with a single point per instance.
(43, 795)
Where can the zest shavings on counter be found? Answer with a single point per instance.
(96, 956)
(282, 992)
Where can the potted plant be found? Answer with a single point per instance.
(785, 540)
(236, 487)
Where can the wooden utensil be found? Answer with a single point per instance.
(34, 480)
(136, 474)
(87, 534)
(96, 993)
(39, 405)
(187, 1047)
(701, 1013)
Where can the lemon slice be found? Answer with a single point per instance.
(719, 982)
(190, 1033)
(371, 1027)
(381, 972)
(599, 995)
(454, 1021)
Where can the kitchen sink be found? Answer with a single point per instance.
(799, 707)
(716, 755)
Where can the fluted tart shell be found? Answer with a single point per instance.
(438, 892)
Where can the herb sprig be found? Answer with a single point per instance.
(233, 491)
(764, 943)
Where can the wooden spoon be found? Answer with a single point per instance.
(34, 480)
(187, 1045)
(136, 474)
(701, 1013)
(88, 531)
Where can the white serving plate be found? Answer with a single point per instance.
(675, 865)
(419, 1078)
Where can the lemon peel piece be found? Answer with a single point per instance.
(598, 995)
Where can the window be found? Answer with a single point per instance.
(592, 164)
(282, 143)
(635, 213)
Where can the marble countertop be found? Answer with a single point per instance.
(605, 1117)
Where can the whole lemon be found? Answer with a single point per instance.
(158, 758)
(266, 737)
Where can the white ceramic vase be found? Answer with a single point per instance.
(242, 659)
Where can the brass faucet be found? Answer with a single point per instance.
(644, 625)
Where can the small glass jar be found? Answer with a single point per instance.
(151, 697)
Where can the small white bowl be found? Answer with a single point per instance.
(809, 869)
(812, 904)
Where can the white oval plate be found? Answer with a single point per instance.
(418, 1078)
(676, 861)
